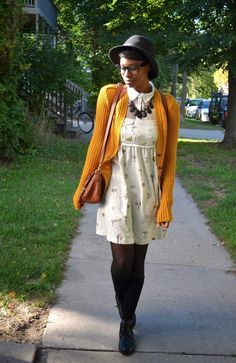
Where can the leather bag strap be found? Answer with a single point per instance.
(119, 92)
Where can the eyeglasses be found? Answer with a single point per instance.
(132, 69)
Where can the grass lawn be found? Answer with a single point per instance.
(192, 123)
(37, 222)
(208, 172)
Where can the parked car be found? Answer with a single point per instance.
(218, 109)
(202, 111)
(187, 101)
(192, 107)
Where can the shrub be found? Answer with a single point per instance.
(15, 131)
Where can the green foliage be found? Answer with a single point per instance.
(165, 22)
(46, 69)
(201, 83)
(214, 33)
(164, 78)
(15, 132)
(94, 32)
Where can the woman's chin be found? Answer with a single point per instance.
(129, 83)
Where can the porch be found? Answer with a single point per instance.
(41, 16)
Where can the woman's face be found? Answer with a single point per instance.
(135, 73)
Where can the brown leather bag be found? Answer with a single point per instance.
(94, 187)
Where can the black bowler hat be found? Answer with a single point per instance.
(142, 45)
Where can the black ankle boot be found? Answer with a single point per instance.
(119, 306)
(126, 338)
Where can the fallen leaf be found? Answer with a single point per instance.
(12, 295)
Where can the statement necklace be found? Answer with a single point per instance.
(146, 108)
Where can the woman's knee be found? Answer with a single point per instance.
(138, 268)
(121, 267)
(123, 257)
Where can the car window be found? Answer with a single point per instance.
(194, 102)
(206, 103)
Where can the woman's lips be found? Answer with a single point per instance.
(128, 81)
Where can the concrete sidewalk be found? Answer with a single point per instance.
(187, 311)
(202, 134)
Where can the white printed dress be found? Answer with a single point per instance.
(128, 214)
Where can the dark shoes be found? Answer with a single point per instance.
(119, 306)
(126, 338)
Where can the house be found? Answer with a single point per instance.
(41, 18)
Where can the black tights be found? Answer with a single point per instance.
(127, 270)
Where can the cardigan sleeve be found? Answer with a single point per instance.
(164, 213)
(102, 113)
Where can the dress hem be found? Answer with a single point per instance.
(129, 243)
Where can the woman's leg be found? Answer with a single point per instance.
(127, 272)
(135, 283)
(121, 267)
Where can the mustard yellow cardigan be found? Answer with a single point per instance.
(165, 149)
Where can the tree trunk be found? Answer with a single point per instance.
(230, 127)
(183, 96)
(174, 79)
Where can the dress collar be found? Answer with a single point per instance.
(133, 94)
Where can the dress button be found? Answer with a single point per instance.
(160, 167)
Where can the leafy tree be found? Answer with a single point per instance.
(207, 36)
(221, 77)
(94, 27)
(46, 69)
(84, 22)
(193, 34)
(201, 83)
(188, 33)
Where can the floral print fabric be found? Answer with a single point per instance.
(128, 214)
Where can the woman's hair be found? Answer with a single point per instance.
(132, 55)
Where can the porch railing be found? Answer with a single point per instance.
(61, 105)
(29, 2)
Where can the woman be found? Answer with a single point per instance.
(139, 169)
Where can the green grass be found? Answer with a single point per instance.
(192, 123)
(208, 172)
(37, 219)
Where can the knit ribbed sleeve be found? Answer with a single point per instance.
(169, 164)
(92, 159)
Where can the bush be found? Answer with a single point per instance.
(15, 131)
(46, 70)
